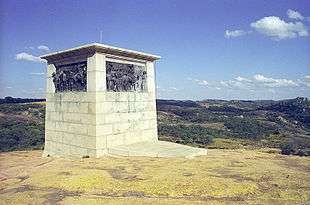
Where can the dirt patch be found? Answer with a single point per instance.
(239, 177)
(64, 173)
(133, 193)
(265, 178)
(121, 174)
(22, 178)
(3, 177)
(229, 174)
(187, 174)
(115, 173)
(22, 188)
(58, 195)
(293, 164)
(235, 163)
(52, 197)
(224, 199)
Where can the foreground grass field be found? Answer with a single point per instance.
(222, 177)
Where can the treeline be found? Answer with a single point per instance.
(19, 100)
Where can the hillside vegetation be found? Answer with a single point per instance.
(210, 123)
(21, 126)
(234, 124)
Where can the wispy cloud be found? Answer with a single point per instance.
(28, 57)
(294, 15)
(235, 33)
(242, 79)
(271, 82)
(307, 77)
(232, 84)
(168, 89)
(43, 48)
(199, 82)
(258, 81)
(305, 81)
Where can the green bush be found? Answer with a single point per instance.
(301, 153)
(287, 148)
(194, 134)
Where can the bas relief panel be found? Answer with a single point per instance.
(70, 77)
(125, 77)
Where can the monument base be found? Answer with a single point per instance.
(156, 149)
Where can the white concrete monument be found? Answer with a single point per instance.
(100, 100)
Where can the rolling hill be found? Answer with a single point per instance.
(209, 123)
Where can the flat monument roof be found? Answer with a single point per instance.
(101, 48)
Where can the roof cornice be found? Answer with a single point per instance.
(100, 48)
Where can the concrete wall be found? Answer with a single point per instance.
(88, 123)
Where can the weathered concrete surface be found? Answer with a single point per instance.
(157, 149)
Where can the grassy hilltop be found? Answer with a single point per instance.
(221, 177)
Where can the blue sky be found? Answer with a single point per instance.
(210, 49)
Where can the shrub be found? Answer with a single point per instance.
(287, 148)
(301, 153)
(187, 134)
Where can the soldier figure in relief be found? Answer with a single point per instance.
(70, 77)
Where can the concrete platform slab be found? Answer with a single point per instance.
(157, 149)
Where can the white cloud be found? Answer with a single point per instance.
(238, 83)
(198, 81)
(307, 77)
(294, 15)
(235, 84)
(28, 57)
(271, 82)
(9, 87)
(235, 33)
(37, 73)
(224, 83)
(305, 81)
(241, 79)
(261, 78)
(201, 82)
(43, 48)
(278, 29)
(260, 81)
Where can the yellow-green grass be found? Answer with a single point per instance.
(222, 177)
